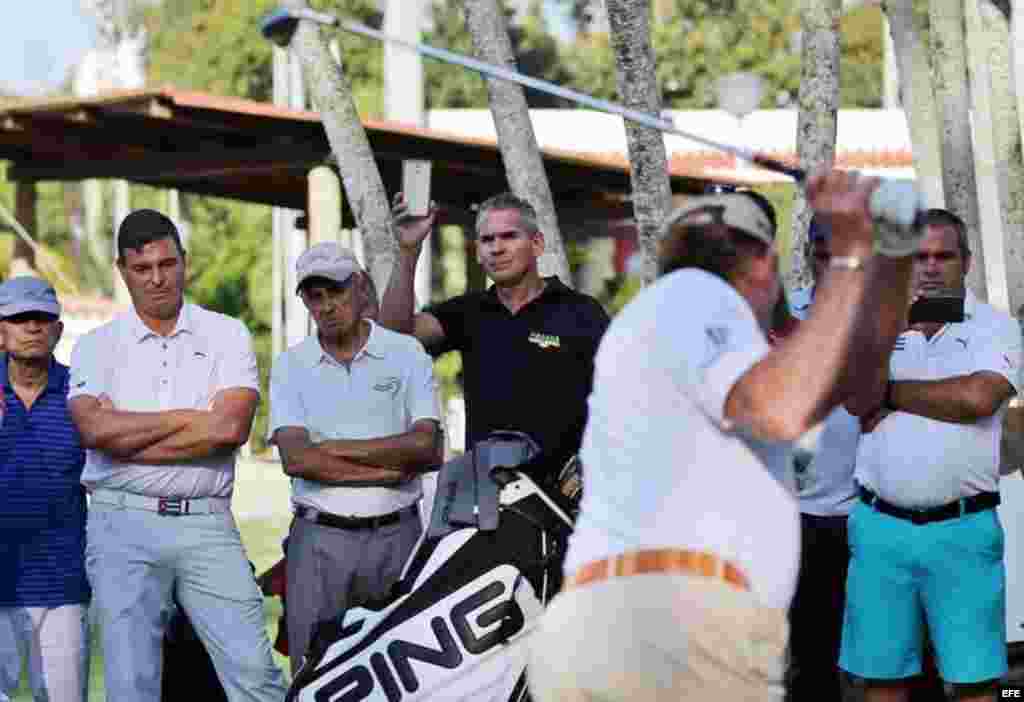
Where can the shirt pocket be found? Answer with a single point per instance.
(197, 380)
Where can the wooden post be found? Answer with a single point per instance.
(23, 260)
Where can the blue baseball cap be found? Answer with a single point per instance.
(27, 294)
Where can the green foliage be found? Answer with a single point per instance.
(702, 41)
(215, 46)
(536, 51)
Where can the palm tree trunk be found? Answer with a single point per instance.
(917, 98)
(818, 100)
(630, 22)
(950, 85)
(330, 92)
(523, 165)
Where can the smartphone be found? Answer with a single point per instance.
(416, 186)
(937, 309)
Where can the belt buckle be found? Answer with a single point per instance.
(172, 506)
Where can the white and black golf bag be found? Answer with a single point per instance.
(455, 625)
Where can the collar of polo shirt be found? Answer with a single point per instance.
(52, 381)
(141, 332)
(372, 347)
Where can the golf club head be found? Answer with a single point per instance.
(279, 26)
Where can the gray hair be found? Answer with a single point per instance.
(937, 217)
(508, 201)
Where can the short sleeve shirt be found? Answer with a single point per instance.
(664, 467)
(141, 371)
(531, 371)
(388, 386)
(917, 462)
(42, 504)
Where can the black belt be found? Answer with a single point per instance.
(952, 510)
(339, 522)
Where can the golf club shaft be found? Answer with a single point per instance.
(544, 86)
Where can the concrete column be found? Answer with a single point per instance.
(324, 205)
(122, 206)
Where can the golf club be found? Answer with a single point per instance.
(279, 25)
(897, 203)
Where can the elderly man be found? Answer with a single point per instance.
(44, 595)
(684, 557)
(926, 542)
(354, 412)
(163, 396)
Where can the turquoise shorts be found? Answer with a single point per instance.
(945, 577)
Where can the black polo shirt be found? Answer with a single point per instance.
(531, 371)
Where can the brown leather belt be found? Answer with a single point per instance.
(659, 560)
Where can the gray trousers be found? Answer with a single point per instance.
(331, 570)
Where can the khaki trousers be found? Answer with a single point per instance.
(654, 637)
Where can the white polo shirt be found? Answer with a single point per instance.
(664, 469)
(143, 372)
(388, 386)
(914, 461)
(825, 485)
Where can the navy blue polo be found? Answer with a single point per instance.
(530, 371)
(42, 503)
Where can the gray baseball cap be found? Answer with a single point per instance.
(735, 210)
(25, 293)
(326, 260)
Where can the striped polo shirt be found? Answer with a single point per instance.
(42, 503)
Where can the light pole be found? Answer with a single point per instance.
(739, 94)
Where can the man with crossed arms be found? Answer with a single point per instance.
(926, 541)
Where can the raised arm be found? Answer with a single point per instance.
(302, 458)
(397, 305)
(857, 314)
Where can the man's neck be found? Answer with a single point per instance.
(518, 295)
(161, 327)
(28, 377)
(344, 348)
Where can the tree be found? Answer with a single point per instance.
(520, 154)
(950, 85)
(816, 120)
(630, 22)
(330, 92)
(909, 29)
(700, 41)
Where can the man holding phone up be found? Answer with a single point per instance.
(926, 542)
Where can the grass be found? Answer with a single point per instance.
(261, 505)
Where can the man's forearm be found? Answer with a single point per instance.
(207, 434)
(812, 370)
(316, 464)
(947, 400)
(397, 305)
(409, 452)
(123, 434)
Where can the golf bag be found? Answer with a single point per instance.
(455, 625)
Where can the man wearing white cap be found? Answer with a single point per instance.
(44, 595)
(684, 557)
(353, 410)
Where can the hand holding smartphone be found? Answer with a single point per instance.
(416, 187)
(942, 309)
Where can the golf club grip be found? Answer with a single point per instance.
(896, 203)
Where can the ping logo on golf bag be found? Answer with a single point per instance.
(463, 626)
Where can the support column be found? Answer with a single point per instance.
(323, 205)
(23, 260)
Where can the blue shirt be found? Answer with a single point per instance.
(42, 503)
